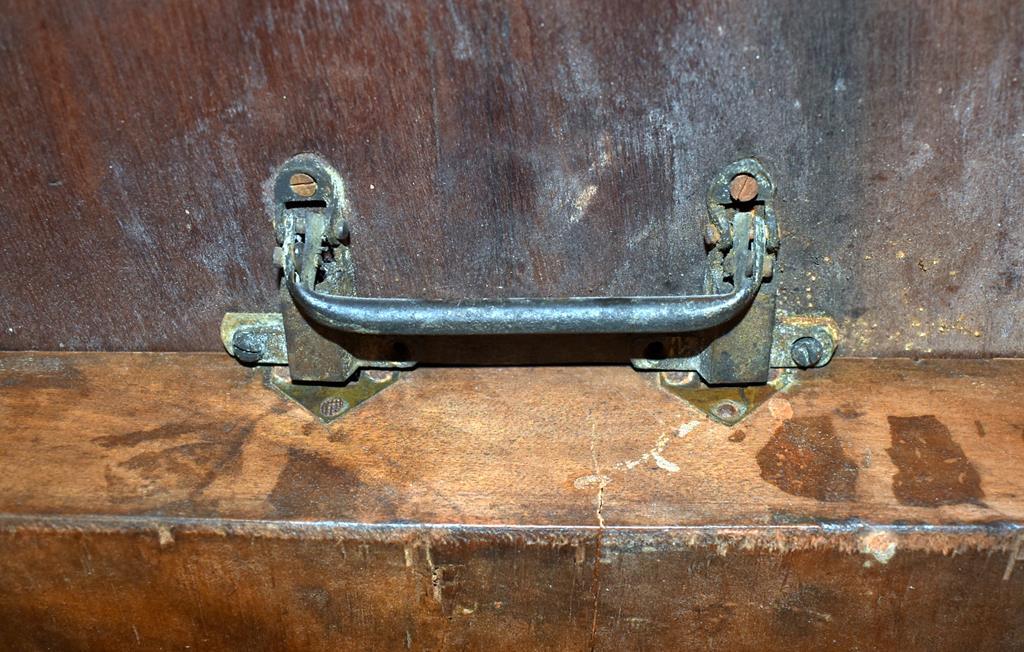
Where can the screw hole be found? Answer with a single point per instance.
(400, 352)
(655, 351)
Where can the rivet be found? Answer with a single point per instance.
(727, 410)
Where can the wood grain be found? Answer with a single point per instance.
(169, 500)
(514, 148)
(197, 435)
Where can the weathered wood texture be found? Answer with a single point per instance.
(516, 148)
(877, 505)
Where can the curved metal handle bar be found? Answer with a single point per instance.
(663, 314)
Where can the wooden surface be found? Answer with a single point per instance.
(199, 435)
(510, 148)
(876, 505)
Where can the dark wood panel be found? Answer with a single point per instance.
(518, 148)
(213, 586)
(167, 500)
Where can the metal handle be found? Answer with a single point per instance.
(661, 314)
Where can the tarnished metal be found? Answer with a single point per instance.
(726, 329)
(312, 230)
(260, 333)
(541, 316)
(790, 329)
(328, 402)
(737, 352)
(735, 273)
(806, 352)
(730, 334)
(727, 405)
(787, 330)
(302, 184)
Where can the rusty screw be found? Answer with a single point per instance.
(743, 188)
(332, 407)
(302, 184)
(806, 352)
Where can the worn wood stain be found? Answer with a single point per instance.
(932, 468)
(805, 458)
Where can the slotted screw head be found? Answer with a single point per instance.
(743, 187)
(806, 352)
(247, 346)
(302, 184)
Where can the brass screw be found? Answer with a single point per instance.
(743, 187)
(302, 184)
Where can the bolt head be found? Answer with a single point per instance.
(743, 187)
(806, 352)
(248, 347)
(302, 184)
